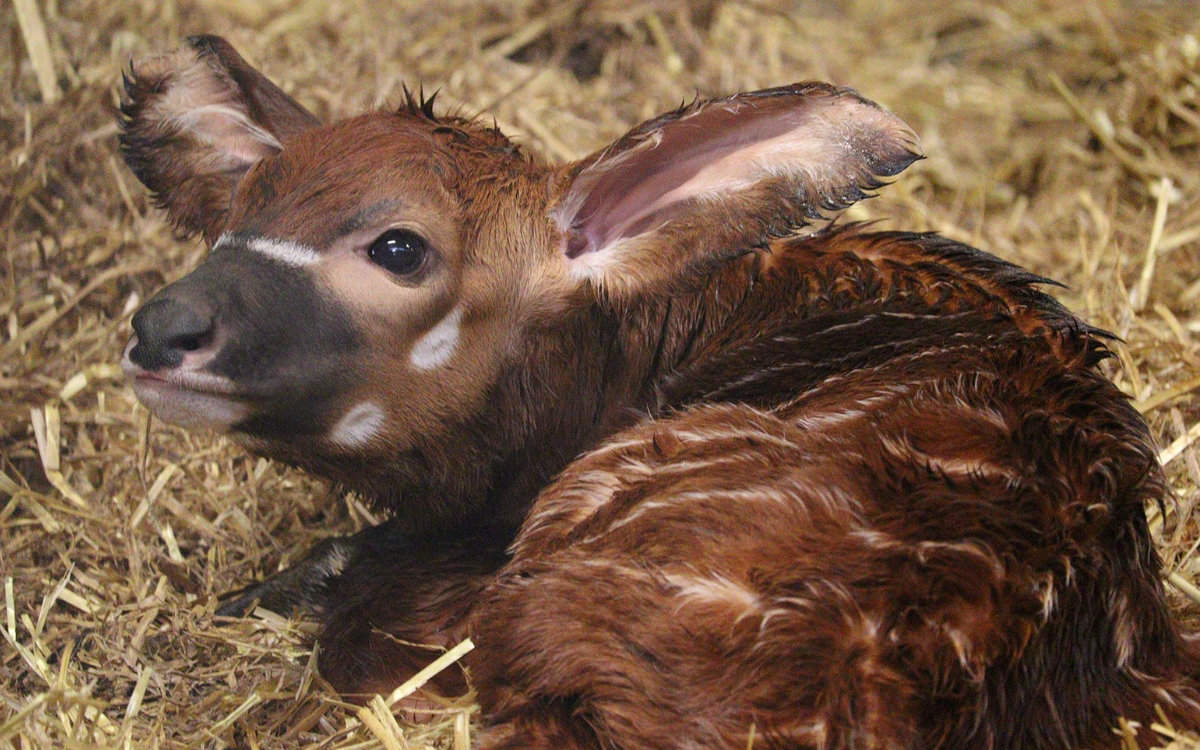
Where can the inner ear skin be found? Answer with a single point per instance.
(812, 147)
(659, 177)
(266, 103)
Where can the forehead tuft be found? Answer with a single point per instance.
(443, 144)
(327, 175)
(359, 143)
(327, 172)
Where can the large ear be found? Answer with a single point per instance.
(194, 121)
(690, 189)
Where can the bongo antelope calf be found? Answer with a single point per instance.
(687, 476)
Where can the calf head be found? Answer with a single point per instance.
(394, 299)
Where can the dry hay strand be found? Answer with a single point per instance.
(1062, 135)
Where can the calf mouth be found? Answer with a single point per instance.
(187, 395)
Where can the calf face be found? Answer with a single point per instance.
(397, 295)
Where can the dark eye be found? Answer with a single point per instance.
(401, 251)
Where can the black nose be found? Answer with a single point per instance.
(166, 330)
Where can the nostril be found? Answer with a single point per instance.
(167, 329)
(193, 342)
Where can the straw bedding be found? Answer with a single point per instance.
(1064, 136)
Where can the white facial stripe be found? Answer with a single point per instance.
(437, 346)
(285, 251)
(357, 426)
(291, 253)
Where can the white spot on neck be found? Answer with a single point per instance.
(357, 426)
(437, 346)
(285, 251)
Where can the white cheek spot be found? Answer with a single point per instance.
(356, 428)
(285, 251)
(437, 346)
